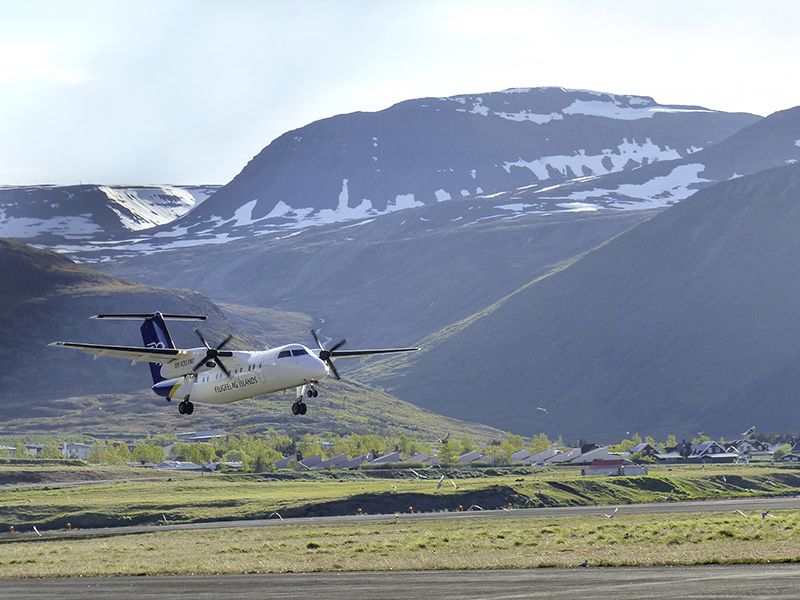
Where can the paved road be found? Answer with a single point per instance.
(778, 582)
(753, 505)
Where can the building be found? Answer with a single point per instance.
(310, 462)
(331, 463)
(203, 437)
(35, 450)
(613, 467)
(76, 450)
(419, 457)
(357, 461)
(8, 452)
(520, 456)
(711, 451)
(473, 456)
(643, 449)
(391, 457)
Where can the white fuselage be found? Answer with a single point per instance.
(253, 374)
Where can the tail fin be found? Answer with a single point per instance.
(154, 331)
(156, 335)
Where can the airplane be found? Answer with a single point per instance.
(200, 375)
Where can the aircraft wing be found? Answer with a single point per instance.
(366, 353)
(132, 353)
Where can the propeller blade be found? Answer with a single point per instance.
(316, 339)
(332, 367)
(225, 341)
(202, 339)
(199, 364)
(224, 368)
(337, 345)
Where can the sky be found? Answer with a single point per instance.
(188, 91)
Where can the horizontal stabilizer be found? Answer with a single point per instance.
(140, 316)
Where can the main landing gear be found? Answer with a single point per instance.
(185, 407)
(299, 407)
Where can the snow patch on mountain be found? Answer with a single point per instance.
(605, 162)
(148, 206)
(616, 110)
(26, 227)
(442, 195)
(658, 191)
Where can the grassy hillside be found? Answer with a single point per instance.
(685, 323)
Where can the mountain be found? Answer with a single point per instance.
(426, 151)
(59, 214)
(685, 323)
(771, 142)
(47, 297)
(387, 281)
(45, 389)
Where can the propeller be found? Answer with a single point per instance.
(325, 354)
(213, 354)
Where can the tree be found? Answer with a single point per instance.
(540, 443)
(149, 452)
(51, 450)
(781, 451)
(446, 454)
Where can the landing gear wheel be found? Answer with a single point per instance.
(189, 407)
(182, 408)
(303, 408)
(316, 393)
(296, 408)
(310, 392)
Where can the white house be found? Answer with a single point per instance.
(76, 450)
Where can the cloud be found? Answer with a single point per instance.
(30, 61)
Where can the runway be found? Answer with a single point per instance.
(743, 504)
(773, 582)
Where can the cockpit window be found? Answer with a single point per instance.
(284, 353)
(299, 352)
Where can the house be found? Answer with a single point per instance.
(283, 463)
(76, 450)
(711, 451)
(473, 456)
(520, 456)
(643, 449)
(331, 463)
(176, 465)
(563, 457)
(748, 446)
(792, 457)
(356, 461)
(613, 467)
(310, 462)
(8, 451)
(204, 436)
(34, 450)
(391, 457)
(582, 456)
(419, 457)
(541, 458)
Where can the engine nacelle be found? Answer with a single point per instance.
(182, 366)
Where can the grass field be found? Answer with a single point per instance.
(634, 540)
(184, 499)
